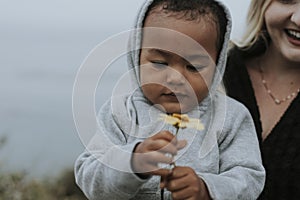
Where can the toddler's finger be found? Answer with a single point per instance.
(181, 144)
(161, 172)
(164, 179)
(162, 182)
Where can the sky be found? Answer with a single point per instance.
(111, 16)
(42, 45)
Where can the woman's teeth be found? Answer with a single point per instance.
(294, 34)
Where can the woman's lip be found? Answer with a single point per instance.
(294, 41)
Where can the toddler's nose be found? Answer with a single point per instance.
(174, 76)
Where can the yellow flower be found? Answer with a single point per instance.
(182, 121)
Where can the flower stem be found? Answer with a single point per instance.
(162, 191)
(176, 133)
(177, 129)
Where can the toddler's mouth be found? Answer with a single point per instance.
(171, 94)
(175, 94)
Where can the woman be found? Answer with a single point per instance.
(263, 72)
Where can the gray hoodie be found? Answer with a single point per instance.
(225, 154)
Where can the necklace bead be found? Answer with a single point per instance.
(276, 100)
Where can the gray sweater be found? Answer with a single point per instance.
(225, 154)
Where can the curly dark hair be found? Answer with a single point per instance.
(194, 10)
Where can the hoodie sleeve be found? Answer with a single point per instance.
(241, 174)
(104, 171)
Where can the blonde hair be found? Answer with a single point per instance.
(255, 29)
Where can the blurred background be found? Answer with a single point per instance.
(42, 45)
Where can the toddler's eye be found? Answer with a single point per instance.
(159, 64)
(195, 68)
(286, 1)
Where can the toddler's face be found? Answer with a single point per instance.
(175, 70)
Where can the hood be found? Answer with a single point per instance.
(135, 43)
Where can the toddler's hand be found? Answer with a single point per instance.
(154, 150)
(184, 183)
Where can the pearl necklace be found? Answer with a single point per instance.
(276, 100)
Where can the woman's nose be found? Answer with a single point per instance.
(175, 75)
(295, 18)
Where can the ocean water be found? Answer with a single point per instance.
(37, 77)
(38, 66)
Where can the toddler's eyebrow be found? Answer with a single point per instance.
(201, 57)
(188, 57)
(159, 51)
